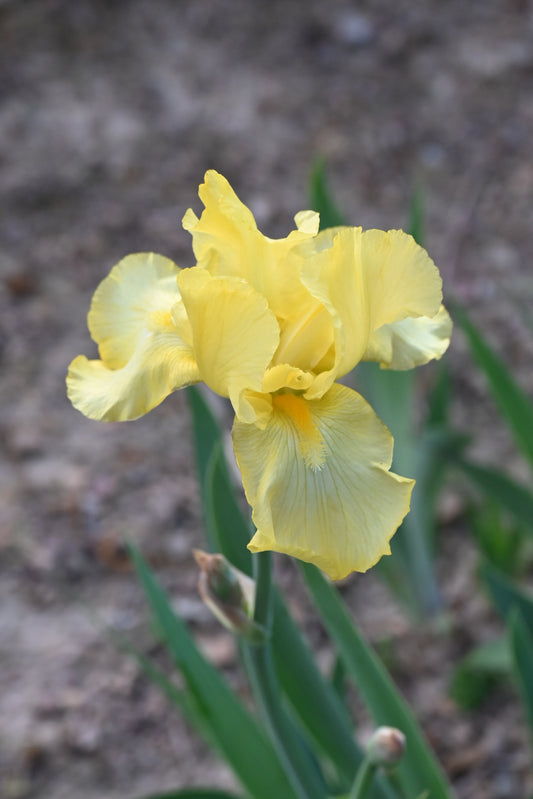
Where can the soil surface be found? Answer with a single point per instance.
(110, 113)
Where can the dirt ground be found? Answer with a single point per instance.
(110, 112)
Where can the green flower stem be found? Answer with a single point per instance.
(262, 566)
(299, 766)
(363, 779)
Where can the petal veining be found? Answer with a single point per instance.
(402, 279)
(332, 271)
(144, 338)
(366, 280)
(234, 334)
(139, 291)
(339, 514)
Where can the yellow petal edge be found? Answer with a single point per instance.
(337, 509)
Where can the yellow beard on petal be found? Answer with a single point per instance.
(311, 442)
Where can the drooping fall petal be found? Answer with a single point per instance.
(410, 342)
(138, 321)
(234, 334)
(318, 482)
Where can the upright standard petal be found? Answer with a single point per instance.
(401, 278)
(224, 227)
(318, 482)
(331, 269)
(139, 323)
(410, 342)
(226, 241)
(234, 335)
(367, 280)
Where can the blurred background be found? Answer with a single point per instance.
(110, 113)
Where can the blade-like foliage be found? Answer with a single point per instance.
(229, 529)
(474, 677)
(521, 639)
(418, 770)
(321, 199)
(314, 701)
(500, 540)
(416, 215)
(206, 431)
(496, 485)
(194, 793)
(514, 403)
(506, 595)
(231, 729)
(409, 571)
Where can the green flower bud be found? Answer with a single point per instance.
(228, 593)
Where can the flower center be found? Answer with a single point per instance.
(305, 338)
(310, 440)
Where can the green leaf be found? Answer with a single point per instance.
(410, 571)
(499, 542)
(178, 697)
(475, 675)
(418, 769)
(439, 399)
(321, 199)
(312, 698)
(513, 496)
(416, 215)
(227, 528)
(230, 530)
(233, 731)
(512, 400)
(521, 639)
(206, 430)
(506, 594)
(338, 678)
(492, 656)
(391, 393)
(194, 793)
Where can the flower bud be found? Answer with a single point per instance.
(386, 747)
(228, 593)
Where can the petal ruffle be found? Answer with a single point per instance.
(410, 342)
(139, 290)
(366, 280)
(332, 271)
(234, 335)
(401, 278)
(318, 482)
(139, 323)
(226, 241)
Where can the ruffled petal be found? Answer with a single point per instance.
(226, 241)
(158, 367)
(225, 227)
(401, 278)
(284, 375)
(318, 482)
(410, 342)
(234, 334)
(144, 338)
(140, 290)
(332, 270)
(365, 280)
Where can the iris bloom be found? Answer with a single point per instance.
(272, 324)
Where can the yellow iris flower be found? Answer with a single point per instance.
(272, 324)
